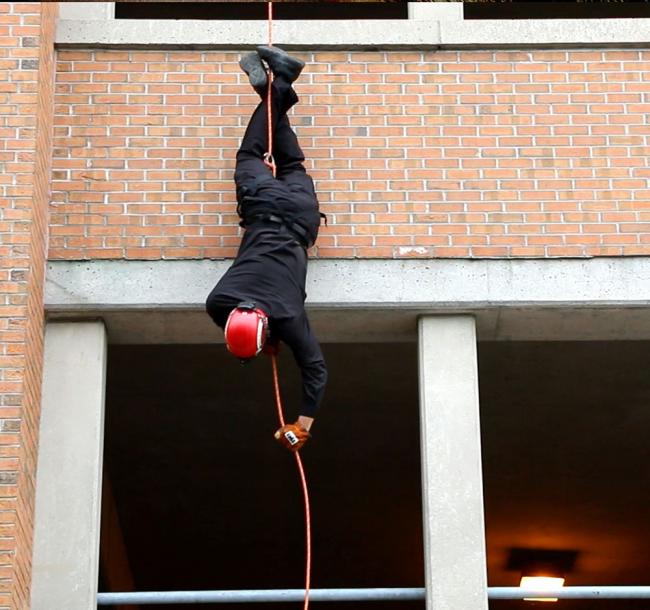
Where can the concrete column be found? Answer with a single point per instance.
(452, 489)
(87, 11)
(436, 11)
(69, 472)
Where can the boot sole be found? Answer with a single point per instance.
(281, 63)
(251, 65)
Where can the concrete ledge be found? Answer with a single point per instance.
(163, 301)
(437, 284)
(353, 34)
(546, 33)
(96, 11)
(416, 33)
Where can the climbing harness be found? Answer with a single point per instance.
(269, 161)
(303, 479)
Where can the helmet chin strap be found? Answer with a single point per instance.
(247, 305)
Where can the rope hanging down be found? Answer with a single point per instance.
(268, 159)
(303, 479)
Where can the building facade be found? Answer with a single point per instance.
(484, 181)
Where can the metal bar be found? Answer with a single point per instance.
(339, 595)
(572, 593)
(261, 595)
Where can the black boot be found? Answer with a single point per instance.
(281, 63)
(252, 65)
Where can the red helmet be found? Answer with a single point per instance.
(246, 331)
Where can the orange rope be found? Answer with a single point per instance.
(268, 157)
(303, 479)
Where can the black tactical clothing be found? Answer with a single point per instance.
(281, 220)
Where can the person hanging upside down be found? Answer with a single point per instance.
(260, 299)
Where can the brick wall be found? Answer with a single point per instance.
(26, 94)
(437, 154)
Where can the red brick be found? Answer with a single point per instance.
(353, 167)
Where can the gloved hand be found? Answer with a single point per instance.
(292, 436)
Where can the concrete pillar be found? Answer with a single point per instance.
(87, 11)
(436, 11)
(69, 472)
(452, 488)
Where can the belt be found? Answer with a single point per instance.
(300, 232)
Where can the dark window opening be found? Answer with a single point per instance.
(566, 461)
(205, 498)
(555, 10)
(258, 10)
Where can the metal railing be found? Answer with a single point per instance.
(571, 593)
(361, 595)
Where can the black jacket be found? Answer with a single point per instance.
(271, 269)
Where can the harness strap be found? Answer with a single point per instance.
(249, 190)
(302, 234)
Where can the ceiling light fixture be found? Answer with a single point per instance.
(541, 570)
(539, 584)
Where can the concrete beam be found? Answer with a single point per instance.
(86, 11)
(431, 27)
(438, 11)
(450, 445)
(422, 283)
(167, 33)
(68, 484)
(545, 33)
(534, 300)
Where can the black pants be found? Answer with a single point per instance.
(251, 169)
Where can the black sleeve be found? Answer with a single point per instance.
(297, 334)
